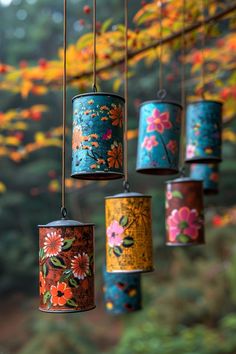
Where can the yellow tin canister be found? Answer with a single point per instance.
(128, 233)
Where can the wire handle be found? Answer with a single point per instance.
(126, 70)
(94, 85)
(161, 94)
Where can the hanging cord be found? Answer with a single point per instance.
(183, 93)
(126, 71)
(203, 44)
(94, 86)
(63, 208)
(161, 92)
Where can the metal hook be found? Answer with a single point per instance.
(126, 186)
(161, 94)
(63, 212)
(94, 88)
(182, 172)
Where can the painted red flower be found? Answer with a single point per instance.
(172, 146)
(60, 294)
(183, 222)
(149, 142)
(115, 158)
(42, 284)
(80, 265)
(158, 121)
(53, 244)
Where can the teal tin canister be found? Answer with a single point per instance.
(209, 174)
(159, 138)
(122, 292)
(97, 137)
(203, 135)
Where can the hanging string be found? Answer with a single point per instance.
(183, 94)
(63, 208)
(161, 92)
(126, 71)
(94, 87)
(203, 44)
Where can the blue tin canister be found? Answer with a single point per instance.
(209, 174)
(122, 292)
(203, 135)
(159, 138)
(97, 137)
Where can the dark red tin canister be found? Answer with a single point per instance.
(66, 266)
(184, 212)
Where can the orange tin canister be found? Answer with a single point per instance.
(128, 233)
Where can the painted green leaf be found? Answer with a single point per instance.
(106, 25)
(45, 269)
(67, 243)
(73, 282)
(124, 220)
(117, 251)
(46, 297)
(128, 241)
(177, 194)
(41, 253)
(71, 303)
(56, 262)
(183, 238)
(66, 275)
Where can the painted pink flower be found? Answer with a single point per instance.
(158, 121)
(190, 151)
(183, 222)
(107, 135)
(114, 234)
(149, 142)
(168, 195)
(172, 146)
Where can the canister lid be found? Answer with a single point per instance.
(162, 101)
(65, 223)
(128, 195)
(205, 101)
(98, 94)
(184, 180)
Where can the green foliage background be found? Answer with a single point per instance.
(189, 302)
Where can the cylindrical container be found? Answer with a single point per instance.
(97, 137)
(159, 138)
(66, 266)
(128, 233)
(203, 135)
(122, 293)
(184, 212)
(209, 174)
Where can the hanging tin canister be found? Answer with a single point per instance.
(66, 265)
(184, 212)
(209, 174)
(122, 292)
(203, 135)
(159, 138)
(97, 137)
(128, 233)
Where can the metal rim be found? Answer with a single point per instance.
(61, 226)
(127, 195)
(162, 171)
(98, 175)
(184, 180)
(132, 271)
(124, 312)
(203, 160)
(169, 244)
(205, 101)
(98, 94)
(162, 101)
(66, 311)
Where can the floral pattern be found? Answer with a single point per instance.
(149, 142)
(66, 277)
(80, 265)
(60, 294)
(97, 141)
(159, 136)
(158, 121)
(203, 134)
(52, 244)
(128, 233)
(183, 224)
(115, 158)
